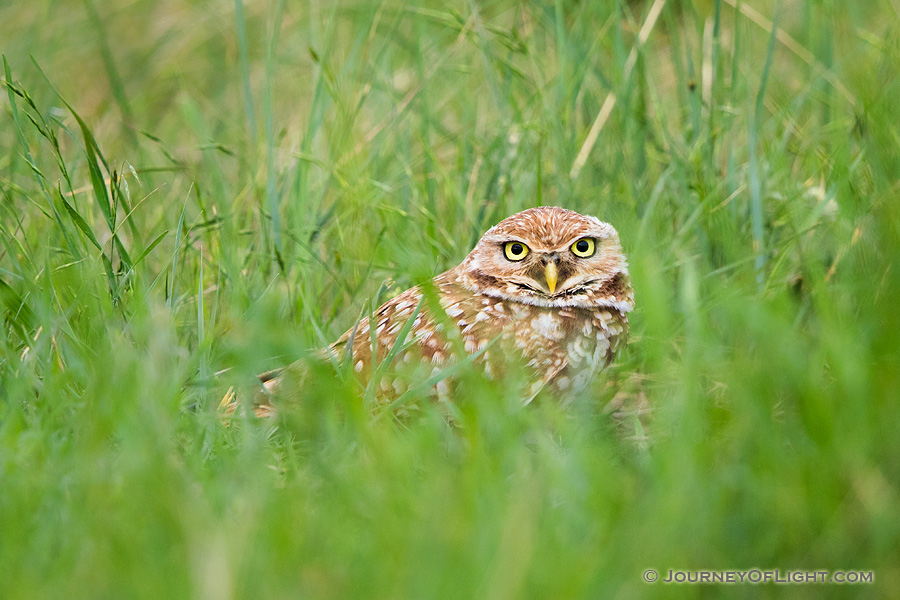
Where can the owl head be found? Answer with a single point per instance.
(550, 256)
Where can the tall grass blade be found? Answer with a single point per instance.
(756, 176)
(170, 294)
(249, 111)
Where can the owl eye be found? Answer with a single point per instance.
(515, 251)
(584, 248)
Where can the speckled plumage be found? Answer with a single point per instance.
(565, 332)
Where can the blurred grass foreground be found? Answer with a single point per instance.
(188, 188)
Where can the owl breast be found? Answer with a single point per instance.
(568, 347)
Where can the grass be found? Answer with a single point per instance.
(187, 188)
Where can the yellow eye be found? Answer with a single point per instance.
(515, 251)
(584, 248)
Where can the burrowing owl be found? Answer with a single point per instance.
(549, 285)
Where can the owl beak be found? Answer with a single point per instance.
(551, 273)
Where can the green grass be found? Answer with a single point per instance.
(192, 187)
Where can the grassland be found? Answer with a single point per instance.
(192, 187)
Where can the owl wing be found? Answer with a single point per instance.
(437, 325)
